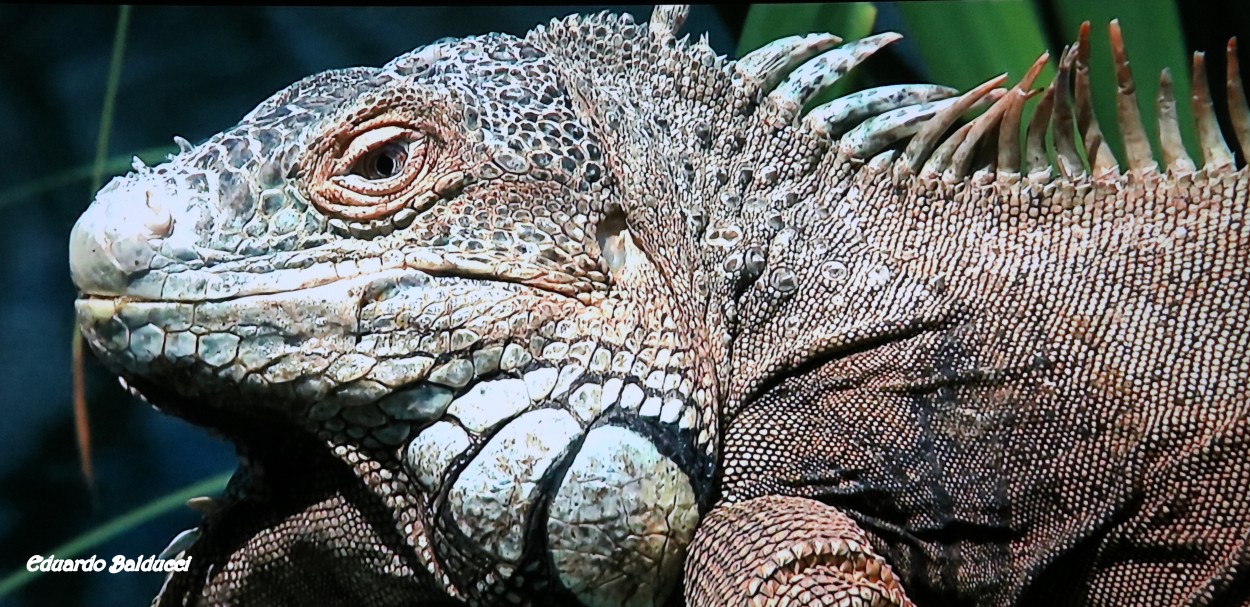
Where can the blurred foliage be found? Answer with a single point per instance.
(963, 44)
(768, 22)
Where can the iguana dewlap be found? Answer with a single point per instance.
(597, 316)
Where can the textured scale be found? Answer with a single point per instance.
(597, 316)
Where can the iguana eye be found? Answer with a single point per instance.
(383, 153)
(382, 163)
(371, 169)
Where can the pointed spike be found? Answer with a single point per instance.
(1171, 145)
(1238, 111)
(982, 127)
(815, 76)
(1008, 145)
(667, 19)
(184, 146)
(1082, 45)
(181, 542)
(1101, 160)
(940, 159)
(204, 504)
(985, 158)
(841, 114)
(883, 160)
(1093, 144)
(1215, 154)
(884, 130)
(1009, 130)
(1035, 156)
(1084, 106)
(1061, 124)
(764, 67)
(1034, 71)
(136, 164)
(918, 149)
(1136, 143)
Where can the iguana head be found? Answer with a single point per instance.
(458, 277)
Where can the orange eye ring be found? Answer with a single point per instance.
(368, 171)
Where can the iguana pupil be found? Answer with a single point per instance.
(386, 162)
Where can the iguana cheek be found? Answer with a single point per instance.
(614, 513)
(493, 497)
(620, 522)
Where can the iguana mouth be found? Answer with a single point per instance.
(217, 285)
(194, 342)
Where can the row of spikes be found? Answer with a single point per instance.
(785, 78)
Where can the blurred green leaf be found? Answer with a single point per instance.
(110, 95)
(102, 165)
(966, 43)
(768, 22)
(114, 165)
(963, 44)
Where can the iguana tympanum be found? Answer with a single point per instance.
(597, 316)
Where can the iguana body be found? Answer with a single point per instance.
(599, 317)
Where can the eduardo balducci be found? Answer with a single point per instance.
(120, 563)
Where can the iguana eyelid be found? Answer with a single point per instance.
(364, 185)
(378, 138)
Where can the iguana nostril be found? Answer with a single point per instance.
(113, 240)
(161, 223)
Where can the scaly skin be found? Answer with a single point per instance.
(507, 320)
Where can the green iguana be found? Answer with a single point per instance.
(597, 316)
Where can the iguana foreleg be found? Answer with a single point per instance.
(786, 551)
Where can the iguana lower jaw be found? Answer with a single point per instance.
(534, 404)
